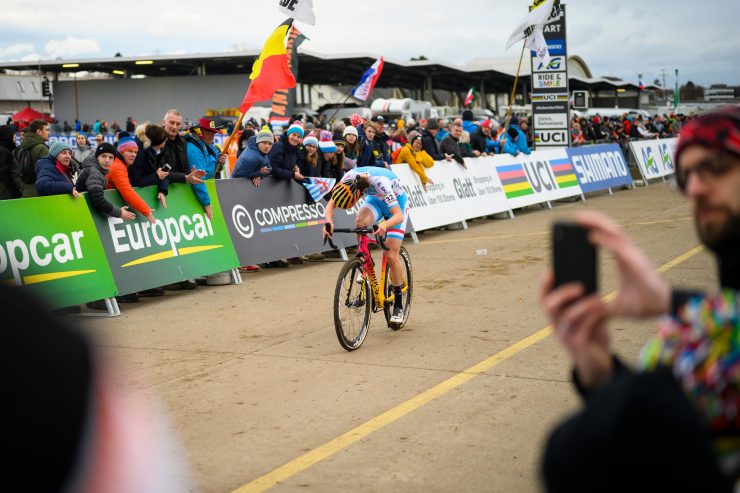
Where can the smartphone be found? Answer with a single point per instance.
(574, 258)
(166, 167)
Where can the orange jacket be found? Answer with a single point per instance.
(118, 179)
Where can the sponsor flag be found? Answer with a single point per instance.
(271, 70)
(538, 45)
(300, 10)
(675, 94)
(536, 19)
(469, 97)
(369, 78)
(318, 187)
(283, 100)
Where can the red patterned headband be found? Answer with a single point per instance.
(720, 131)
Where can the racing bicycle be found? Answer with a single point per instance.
(358, 292)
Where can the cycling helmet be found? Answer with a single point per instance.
(346, 194)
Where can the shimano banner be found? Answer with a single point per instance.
(600, 167)
(277, 220)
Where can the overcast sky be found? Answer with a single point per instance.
(618, 38)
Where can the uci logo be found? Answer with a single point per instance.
(242, 221)
(553, 65)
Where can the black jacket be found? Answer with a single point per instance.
(143, 172)
(380, 144)
(92, 180)
(451, 146)
(429, 144)
(11, 186)
(283, 158)
(176, 155)
(478, 140)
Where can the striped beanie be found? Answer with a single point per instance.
(311, 141)
(126, 141)
(295, 128)
(326, 144)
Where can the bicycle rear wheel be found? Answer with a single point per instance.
(408, 275)
(352, 305)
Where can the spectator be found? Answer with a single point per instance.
(34, 141)
(465, 146)
(99, 139)
(244, 137)
(467, 122)
(66, 128)
(369, 156)
(254, 163)
(429, 142)
(205, 156)
(341, 160)
(147, 168)
(11, 186)
(482, 141)
(78, 125)
(516, 141)
(444, 129)
(284, 154)
(97, 127)
(331, 167)
(53, 174)
(176, 151)
(524, 127)
(681, 413)
(576, 135)
(417, 158)
(83, 150)
(118, 176)
(93, 180)
(451, 145)
(130, 125)
(380, 143)
(115, 127)
(352, 149)
(309, 160)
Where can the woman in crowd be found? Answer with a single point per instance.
(246, 134)
(331, 167)
(118, 176)
(576, 136)
(254, 163)
(465, 146)
(11, 186)
(84, 149)
(53, 173)
(417, 158)
(147, 169)
(309, 160)
(93, 180)
(352, 148)
(284, 154)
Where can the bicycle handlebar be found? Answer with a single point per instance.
(359, 231)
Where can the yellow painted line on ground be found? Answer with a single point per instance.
(309, 459)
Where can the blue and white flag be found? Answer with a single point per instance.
(369, 78)
(318, 187)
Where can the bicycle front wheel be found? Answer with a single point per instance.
(352, 305)
(408, 275)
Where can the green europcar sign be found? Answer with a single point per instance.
(49, 245)
(182, 244)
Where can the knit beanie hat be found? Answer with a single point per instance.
(326, 144)
(126, 141)
(58, 146)
(718, 131)
(295, 128)
(350, 131)
(105, 148)
(265, 135)
(311, 141)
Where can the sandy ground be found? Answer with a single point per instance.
(253, 376)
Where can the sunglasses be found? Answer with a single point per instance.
(710, 168)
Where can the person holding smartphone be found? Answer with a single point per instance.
(150, 167)
(675, 425)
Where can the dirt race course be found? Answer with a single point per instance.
(253, 377)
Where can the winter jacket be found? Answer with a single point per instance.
(283, 158)
(469, 126)
(430, 145)
(11, 186)
(328, 170)
(451, 146)
(82, 152)
(34, 143)
(49, 181)
(118, 179)
(483, 143)
(367, 155)
(176, 155)
(203, 157)
(251, 161)
(381, 149)
(515, 147)
(417, 161)
(143, 172)
(92, 179)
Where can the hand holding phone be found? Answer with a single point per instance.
(573, 256)
(166, 168)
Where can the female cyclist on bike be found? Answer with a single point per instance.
(386, 202)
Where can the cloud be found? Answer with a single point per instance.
(31, 57)
(14, 50)
(71, 46)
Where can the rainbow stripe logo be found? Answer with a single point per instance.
(304, 224)
(564, 173)
(514, 180)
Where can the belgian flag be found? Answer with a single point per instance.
(271, 70)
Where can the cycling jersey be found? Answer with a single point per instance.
(384, 184)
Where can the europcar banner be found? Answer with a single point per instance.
(655, 157)
(182, 244)
(600, 167)
(277, 220)
(536, 178)
(50, 246)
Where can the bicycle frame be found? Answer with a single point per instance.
(368, 272)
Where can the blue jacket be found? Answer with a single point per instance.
(367, 148)
(469, 126)
(283, 158)
(203, 157)
(520, 145)
(251, 161)
(49, 181)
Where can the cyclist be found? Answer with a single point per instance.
(386, 202)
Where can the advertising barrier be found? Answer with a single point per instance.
(182, 244)
(277, 220)
(50, 246)
(654, 157)
(600, 167)
(537, 178)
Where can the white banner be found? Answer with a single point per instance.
(300, 10)
(655, 157)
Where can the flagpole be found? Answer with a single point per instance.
(513, 93)
(237, 126)
(349, 94)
